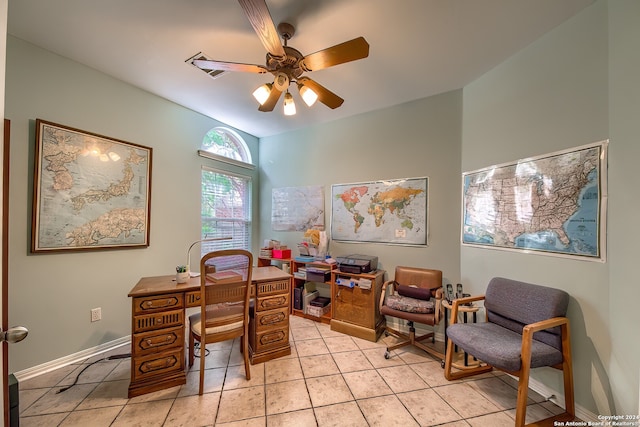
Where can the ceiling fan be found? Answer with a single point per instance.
(286, 63)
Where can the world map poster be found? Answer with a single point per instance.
(392, 211)
(90, 191)
(554, 204)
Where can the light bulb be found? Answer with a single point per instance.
(262, 93)
(308, 96)
(289, 105)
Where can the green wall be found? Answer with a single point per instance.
(416, 139)
(52, 294)
(575, 85)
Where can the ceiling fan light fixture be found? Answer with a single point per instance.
(289, 105)
(308, 95)
(262, 93)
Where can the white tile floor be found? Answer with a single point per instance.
(330, 379)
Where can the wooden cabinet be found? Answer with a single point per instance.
(318, 281)
(355, 310)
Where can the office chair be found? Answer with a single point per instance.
(414, 295)
(525, 328)
(225, 290)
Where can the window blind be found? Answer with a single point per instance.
(226, 210)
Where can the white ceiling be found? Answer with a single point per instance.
(418, 48)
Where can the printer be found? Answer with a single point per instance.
(357, 264)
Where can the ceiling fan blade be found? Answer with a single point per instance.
(271, 102)
(325, 96)
(207, 64)
(351, 50)
(258, 14)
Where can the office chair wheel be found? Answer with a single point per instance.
(387, 354)
(442, 364)
(386, 333)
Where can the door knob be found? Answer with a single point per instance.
(15, 334)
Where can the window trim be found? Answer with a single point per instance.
(212, 156)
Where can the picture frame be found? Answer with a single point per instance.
(90, 191)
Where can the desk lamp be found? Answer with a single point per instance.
(212, 239)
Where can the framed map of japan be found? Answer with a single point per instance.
(89, 191)
(554, 204)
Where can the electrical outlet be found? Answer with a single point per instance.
(96, 314)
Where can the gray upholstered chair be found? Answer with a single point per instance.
(525, 328)
(414, 295)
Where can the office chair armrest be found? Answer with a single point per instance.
(438, 305)
(383, 292)
(460, 301)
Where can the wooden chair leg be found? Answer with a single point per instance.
(191, 348)
(245, 344)
(202, 364)
(467, 372)
(567, 371)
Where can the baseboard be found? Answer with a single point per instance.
(558, 399)
(72, 358)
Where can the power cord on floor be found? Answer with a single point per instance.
(113, 357)
(196, 350)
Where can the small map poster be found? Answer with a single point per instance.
(554, 204)
(297, 208)
(90, 191)
(393, 211)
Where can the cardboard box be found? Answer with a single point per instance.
(318, 311)
(282, 253)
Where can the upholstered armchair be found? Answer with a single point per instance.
(414, 295)
(526, 327)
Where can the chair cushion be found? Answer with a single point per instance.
(195, 324)
(413, 291)
(513, 304)
(409, 305)
(500, 347)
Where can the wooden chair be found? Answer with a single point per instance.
(414, 295)
(224, 296)
(526, 327)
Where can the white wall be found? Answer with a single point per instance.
(52, 294)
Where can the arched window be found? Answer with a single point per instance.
(225, 195)
(224, 144)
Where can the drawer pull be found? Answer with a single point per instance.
(160, 303)
(271, 319)
(274, 302)
(155, 365)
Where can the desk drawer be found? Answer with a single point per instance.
(157, 364)
(272, 319)
(154, 341)
(272, 288)
(270, 339)
(192, 299)
(157, 302)
(154, 321)
(272, 302)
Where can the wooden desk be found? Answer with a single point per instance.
(158, 326)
